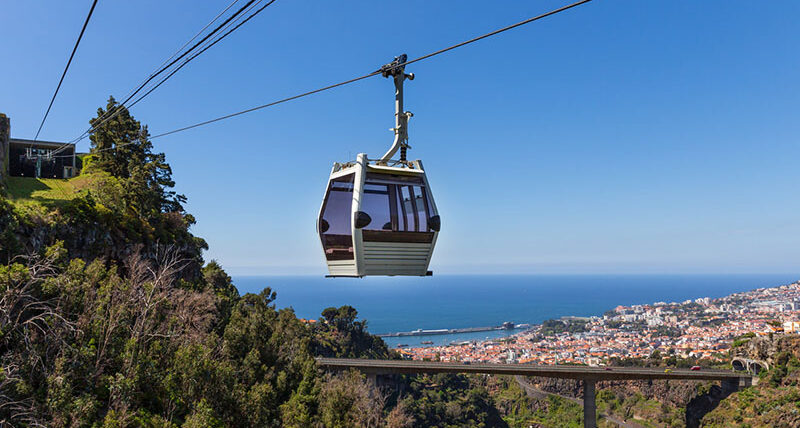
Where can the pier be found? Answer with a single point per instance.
(419, 332)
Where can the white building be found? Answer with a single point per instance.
(792, 326)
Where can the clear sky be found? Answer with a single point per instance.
(621, 136)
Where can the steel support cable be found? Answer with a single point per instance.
(374, 73)
(132, 91)
(181, 56)
(108, 116)
(200, 53)
(208, 45)
(493, 33)
(187, 43)
(346, 82)
(305, 94)
(186, 61)
(60, 81)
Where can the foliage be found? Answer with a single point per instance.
(339, 334)
(122, 149)
(449, 401)
(552, 327)
(517, 409)
(108, 317)
(83, 344)
(94, 221)
(347, 401)
(741, 340)
(775, 401)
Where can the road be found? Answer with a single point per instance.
(562, 372)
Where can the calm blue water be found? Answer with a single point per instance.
(405, 304)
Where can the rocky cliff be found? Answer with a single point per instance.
(89, 232)
(659, 402)
(768, 348)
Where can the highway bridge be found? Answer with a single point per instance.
(588, 375)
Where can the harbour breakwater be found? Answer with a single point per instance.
(420, 332)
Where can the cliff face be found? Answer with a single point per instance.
(767, 348)
(775, 401)
(659, 402)
(89, 233)
(674, 393)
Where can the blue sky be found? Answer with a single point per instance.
(618, 137)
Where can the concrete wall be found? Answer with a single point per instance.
(5, 135)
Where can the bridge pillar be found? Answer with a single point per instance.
(732, 385)
(589, 404)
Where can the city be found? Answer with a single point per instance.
(703, 328)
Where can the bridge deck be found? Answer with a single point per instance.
(563, 372)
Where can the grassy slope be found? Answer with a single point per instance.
(45, 191)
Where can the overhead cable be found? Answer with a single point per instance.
(166, 61)
(200, 53)
(374, 73)
(356, 79)
(111, 114)
(60, 81)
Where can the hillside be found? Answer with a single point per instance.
(51, 192)
(775, 400)
(42, 190)
(110, 317)
(194, 353)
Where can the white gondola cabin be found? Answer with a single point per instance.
(378, 220)
(378, 216)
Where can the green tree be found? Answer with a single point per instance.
(339, 333)
(347, 400)
(124, 150)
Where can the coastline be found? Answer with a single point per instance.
(701, 328)
(393, 304)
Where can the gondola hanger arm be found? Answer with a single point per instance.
(396, 69)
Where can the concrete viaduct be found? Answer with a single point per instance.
(753, 367)
(588, 375)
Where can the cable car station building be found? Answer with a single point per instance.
(37, 159)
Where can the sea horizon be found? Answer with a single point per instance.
(399, 304)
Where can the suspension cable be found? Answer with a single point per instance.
(365, 76)
(115, 111)
(60, 81)
(374, 73)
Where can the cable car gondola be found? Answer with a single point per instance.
(378, 216)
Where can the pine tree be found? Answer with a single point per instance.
(123, 149)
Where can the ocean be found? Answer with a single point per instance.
(393, 304)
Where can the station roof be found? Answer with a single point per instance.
(48, 144)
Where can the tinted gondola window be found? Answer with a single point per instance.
(376, 203)
(398, 204)
(413, 209)
(336, 219)
(403, 224)
(407, 209)
(421, 205)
